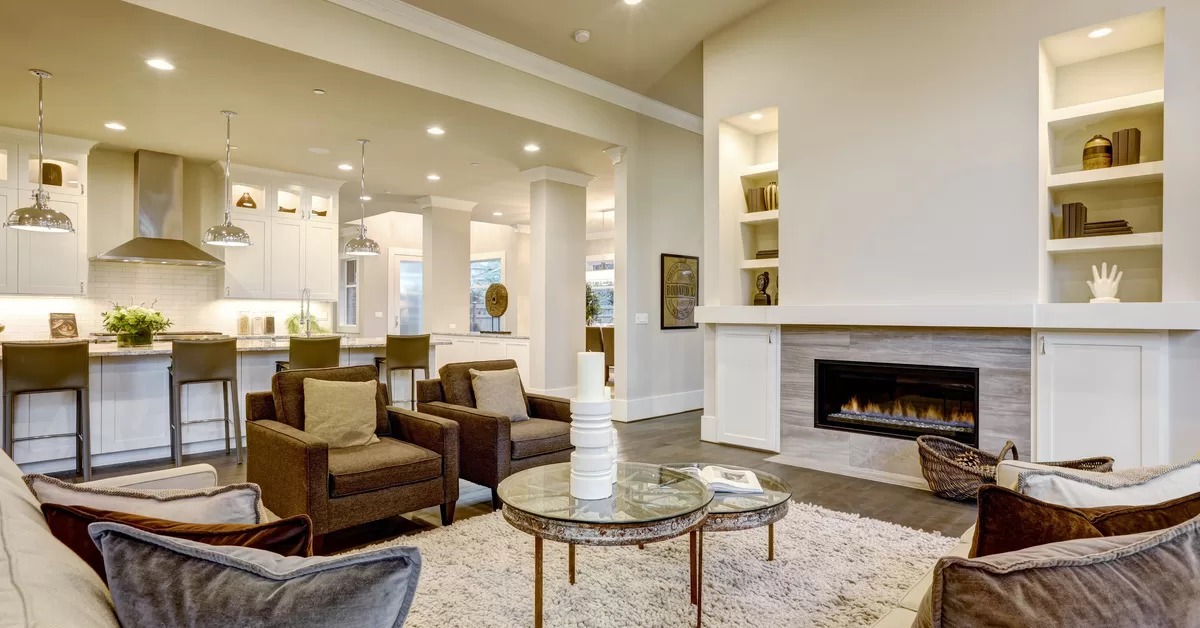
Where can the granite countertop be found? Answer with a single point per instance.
(475, 334)
(243, 345)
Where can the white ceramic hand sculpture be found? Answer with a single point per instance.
(1104, 285)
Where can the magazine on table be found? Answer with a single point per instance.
(724, 480)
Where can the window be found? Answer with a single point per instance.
(600, 276)
(485, 271)
(348, 303)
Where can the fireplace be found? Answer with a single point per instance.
(898, 400)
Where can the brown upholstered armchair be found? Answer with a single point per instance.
(492, 446)
(414, 465)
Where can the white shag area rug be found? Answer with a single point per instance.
(830, 569)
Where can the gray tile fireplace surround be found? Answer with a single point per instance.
(1004, 358)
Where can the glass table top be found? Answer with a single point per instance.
(775, 491)
(643, 493)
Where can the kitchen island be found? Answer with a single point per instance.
(130, 408)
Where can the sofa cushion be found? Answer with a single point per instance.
(500, 392)
(539, 436)
(287, 392)
(69, 524)
(340, 413)
(387, 463)
(207, 586)
(1131, 581)
(233, 503)
(456, 380)
(1126, 487)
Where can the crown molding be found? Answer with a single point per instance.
(422, 22)
(550, 173)
(442, 202)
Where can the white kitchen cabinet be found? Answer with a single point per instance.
(1101, 394)
(9, 157)
(477, 347)
(134, 410)
(748, 386)
(54, 263)
(287, 257)
(70, 164)
(321, 259)
(9, 200)
(248, 268)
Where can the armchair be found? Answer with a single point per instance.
(414, 465)
(492, 446)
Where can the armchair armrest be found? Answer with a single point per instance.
(292, 467)
(193, 476)
(433, 433)
(551, 408)
(485, 441)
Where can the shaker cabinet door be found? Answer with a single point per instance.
(9, 200)
(748, 386)
(320, 259)
(48, 263)
(287, 261)
(247, 268)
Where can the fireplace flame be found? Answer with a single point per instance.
(905, 409)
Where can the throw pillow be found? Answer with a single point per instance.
(340, 413)
(500, 392)
(1131, 581)
(219, 587)
(1010, 522)
(1127, 487)
(234, 503)
(69, 524)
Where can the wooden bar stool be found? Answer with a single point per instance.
(320, 352)
(42, 367)
(199, 362)
(405, 352)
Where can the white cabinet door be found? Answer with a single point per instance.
(9, 158)
(9, 200)
(48, 263)
(134, 411)
(1101, 395)
(748, 386)
(287, 258)
(320, 259)
(248, 268)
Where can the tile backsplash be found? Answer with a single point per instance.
(189, 296)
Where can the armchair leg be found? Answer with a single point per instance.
(495, 499)
(448, 513)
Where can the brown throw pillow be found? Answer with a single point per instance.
(69, 524)
(1010, 522)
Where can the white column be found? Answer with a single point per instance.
(446, 267)
(557, 245)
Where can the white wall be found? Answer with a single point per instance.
(488, 238)
(908, 141)
(390, 230)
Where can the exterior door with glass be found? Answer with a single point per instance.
(404, 304)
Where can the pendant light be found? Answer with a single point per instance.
(362, 245)
(40, 216)
(227, 233)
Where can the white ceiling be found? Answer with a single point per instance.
(1128, 33)
(97, 51)
(632, 46)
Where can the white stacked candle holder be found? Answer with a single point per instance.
(593, 463)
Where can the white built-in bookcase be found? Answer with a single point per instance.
(1098, 85)
(748, 158)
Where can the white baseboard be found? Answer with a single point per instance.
(126, 457)
(629, 410)
(708, 428)
(865, 474)
(565, 393)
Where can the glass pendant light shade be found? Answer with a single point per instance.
(227, 233)
(362, 246)
(40, 216)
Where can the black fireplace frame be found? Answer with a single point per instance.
(881, 430)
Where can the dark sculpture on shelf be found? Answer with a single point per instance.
(763, 281)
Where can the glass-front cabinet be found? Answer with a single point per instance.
(247, 197)
(320, 207)
(8, 164)
(289, 202)
(62, 173)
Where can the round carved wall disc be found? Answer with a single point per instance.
(496, 299)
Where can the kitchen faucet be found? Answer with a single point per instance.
(306, 311)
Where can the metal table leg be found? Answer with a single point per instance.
(699, 577)
(537, 582)
(692, 565)
(770, 541)
(571, 560)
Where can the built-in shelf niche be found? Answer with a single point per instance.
(1097, 86)
(749, 159)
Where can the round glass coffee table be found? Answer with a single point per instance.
(649, 503)
(743, 511)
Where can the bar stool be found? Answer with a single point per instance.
(405, 352)
(198, 362)
(42, 367)
(312, 353)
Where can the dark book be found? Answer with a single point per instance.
(1134, 146)
(1068, 210)
(1118, 148)
(1080, 219)
(1108, 223)
(1114, 231)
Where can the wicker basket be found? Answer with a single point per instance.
(956, 471)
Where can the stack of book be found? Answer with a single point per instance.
(1126, 147)
(1107, 227)
(1074, 217)
(767, 254)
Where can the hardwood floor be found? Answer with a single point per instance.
(673, 438)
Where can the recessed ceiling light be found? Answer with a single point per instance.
(364, 198)
(756, 116)
(160, 64)
(433, 177)
(633, 2)
(319, 151)
(435, 130)
(474, 163)
(581, 36)
(345, 167)
(318, 91)
(1100, 32)
(116, 126)
(233, 148)
(532, 148)
(497, 213)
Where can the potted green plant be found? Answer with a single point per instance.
(134, 325)
(593, 304)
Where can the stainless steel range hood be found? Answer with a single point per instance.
(158, 203)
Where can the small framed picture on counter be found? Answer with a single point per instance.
(63, 326)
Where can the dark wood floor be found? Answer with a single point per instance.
(674, 438)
